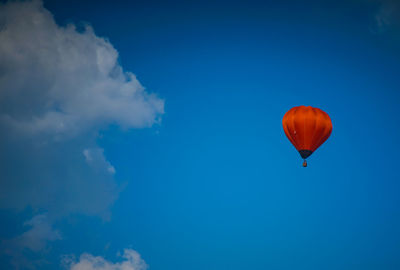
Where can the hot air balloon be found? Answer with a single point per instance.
(306, 128)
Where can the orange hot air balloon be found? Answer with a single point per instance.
(306, 128)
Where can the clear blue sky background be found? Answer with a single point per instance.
(217, 185)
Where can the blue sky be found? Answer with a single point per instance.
(193, 170)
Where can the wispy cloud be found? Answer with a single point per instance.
(38, 235)
(95, 158)
(35, 239)
(387, 16)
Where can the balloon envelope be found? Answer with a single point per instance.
(307, 128)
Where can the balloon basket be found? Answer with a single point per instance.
(305, 163)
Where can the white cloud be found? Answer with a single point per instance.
(132, 261)
(58, 88)
(58, 81)
(95, 158)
